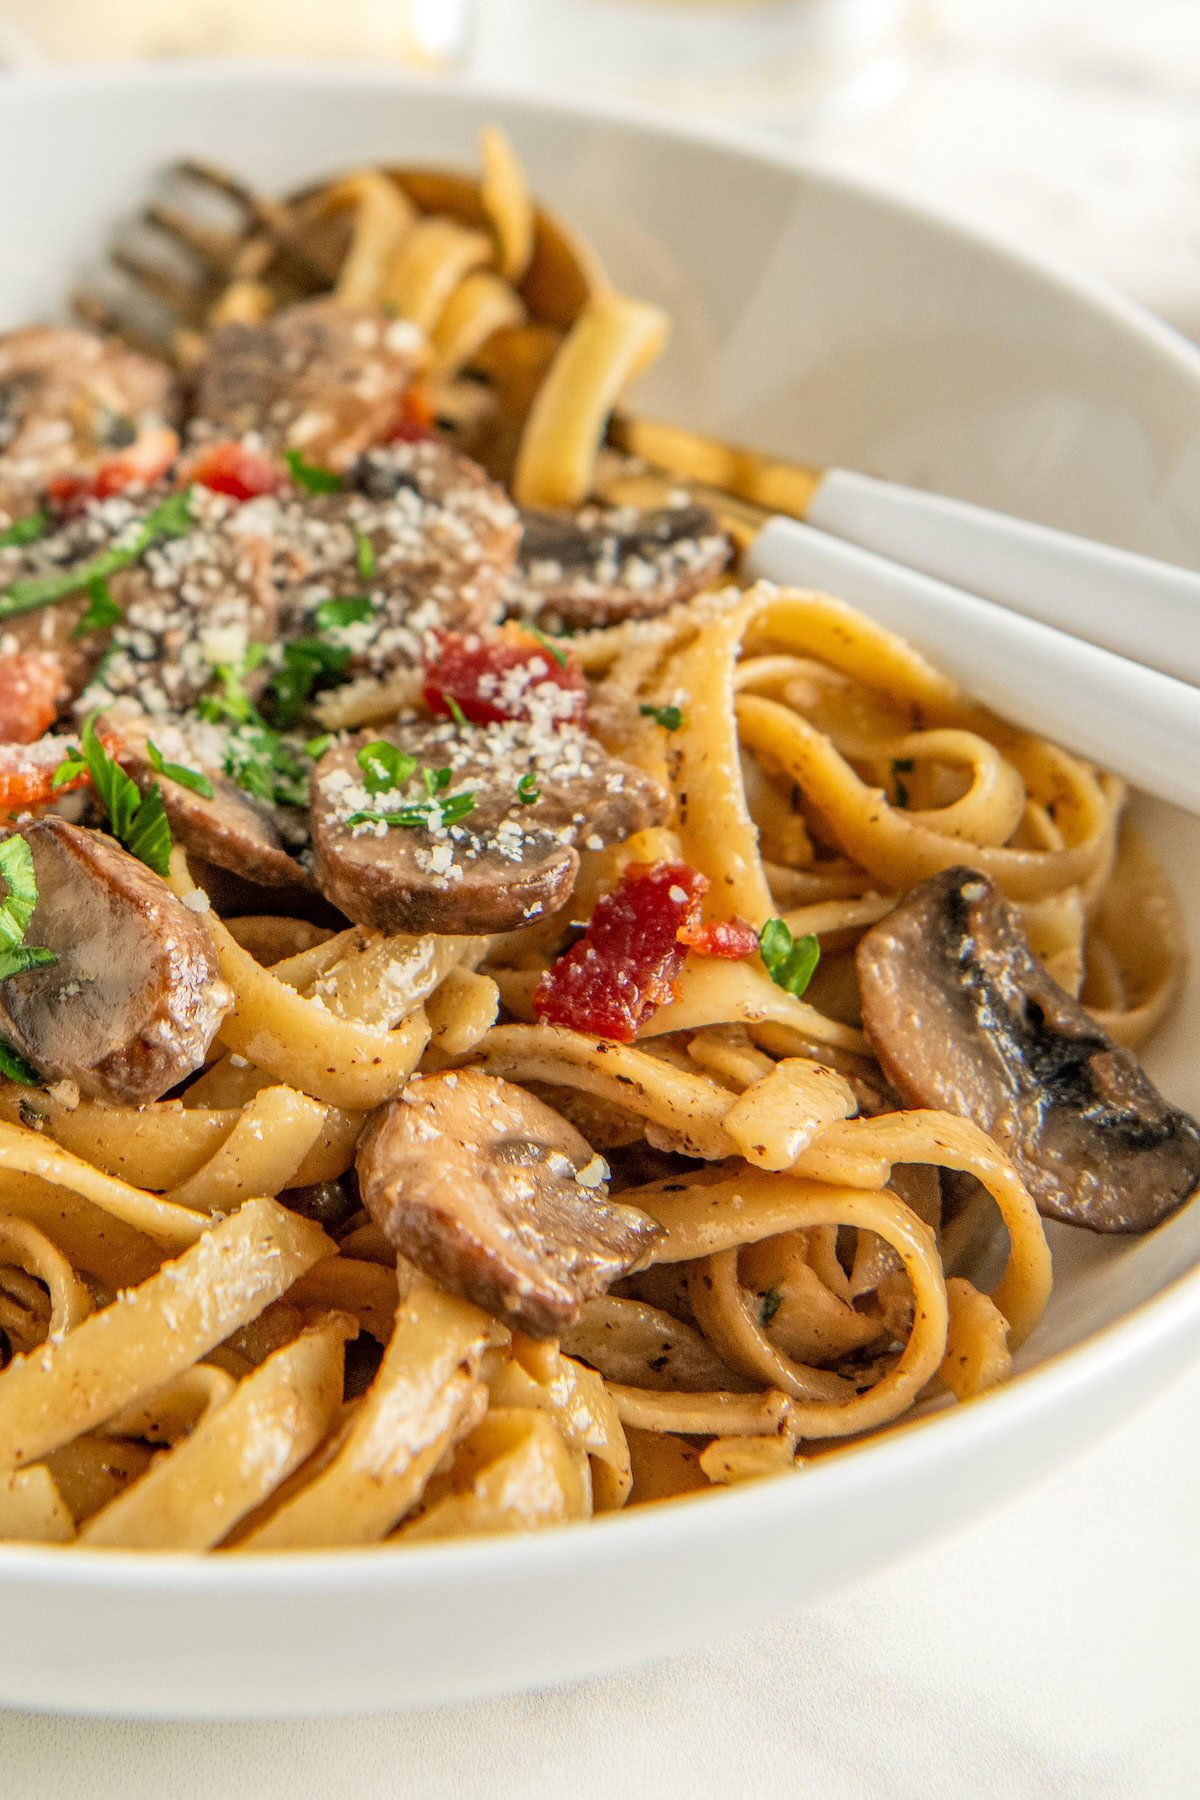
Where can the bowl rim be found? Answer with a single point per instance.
(607, 1540)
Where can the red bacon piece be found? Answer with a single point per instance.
(626, 964)
(417, 417)
(140, 465)
(232, 468)
(732, 938)
(502, 675)
(31, 689)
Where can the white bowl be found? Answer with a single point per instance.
(814, 316)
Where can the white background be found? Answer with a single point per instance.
(1052, 1650)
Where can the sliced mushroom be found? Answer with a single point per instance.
(326, 379)
(598, 566)
(963, 1017)
(135, 998)
(497, 1198)
(69, 398)
(231, 830)
(508, 861)
(442, 544)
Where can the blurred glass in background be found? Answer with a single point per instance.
(786, 63)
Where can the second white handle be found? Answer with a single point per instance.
(1124, 717)
(1140, 608)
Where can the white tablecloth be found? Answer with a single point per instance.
(1050, 1651)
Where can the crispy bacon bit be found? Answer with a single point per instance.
(626, 964)
(232, 468)
(31, 689)
(504, 675)
(732, 938)
(417, 417)
(139, 465)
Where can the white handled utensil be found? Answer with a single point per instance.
(1124, 716)
(1133, 605)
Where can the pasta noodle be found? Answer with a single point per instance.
(269, 1309)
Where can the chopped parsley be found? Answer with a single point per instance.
(528, 790)
(456, 712)
(138, 821)
(317, 746)
(257, 757)
(551, 648)
(417, 817)
(14, 1067)
(436, 781)
(28, 530)
(789, 961)
(306, 662)
(307, 475)
(771, 1302)
(384, 767)
(669, 717)
(102, 609)
(188, 778)
(16, 910)
(364, 554)
(171, 518)
(333, 615)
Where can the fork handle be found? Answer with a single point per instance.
(1116, 713)
(1143, 609)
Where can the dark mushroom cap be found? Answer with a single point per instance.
(135, 998)
(320, 377)
(506, 863)
(232, 830)
(601, 565)
(963, 1017)
(497, 1198)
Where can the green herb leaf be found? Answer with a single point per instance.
(551, 648)
(669, 717)
(384, 767)
(317, 746)
(456, 712)
(420, 815)
(771, 1302)
(149, 835)
(528, 790)
(308, 476)
(28, 530)
(789, 961)
(16, 910)
(436, 781)
(306, 662)
(188, 778)
(16, 866)
(102, 609)
(331, 615)
(171, 518)
(15, 1068)
(138, 820)
(23, 957)
(364, 555)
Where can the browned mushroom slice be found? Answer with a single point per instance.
(322, 378)
(135, 998)
(69, 398)
(600, 565)
(231, 830)
(497, 1198)
(963, 1017)
(494, 848)
(420, 539)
